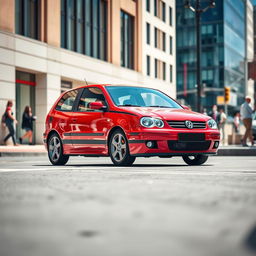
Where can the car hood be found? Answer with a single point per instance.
(168, 113)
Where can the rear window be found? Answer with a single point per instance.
(67, 101)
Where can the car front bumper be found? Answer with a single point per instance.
(168, 143)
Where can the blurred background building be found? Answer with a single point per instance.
(49, 46)
(227, 47)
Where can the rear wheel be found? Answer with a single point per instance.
(119, 149)
(55, 151)
(195, 160)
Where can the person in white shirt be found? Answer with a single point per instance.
(246, 116)
(223, 119)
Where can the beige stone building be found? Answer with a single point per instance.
(49, 46)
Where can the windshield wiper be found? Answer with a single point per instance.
(128, 105)
(157, 106)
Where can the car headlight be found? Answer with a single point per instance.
(150, 122)
(159, 123)
(212, 124)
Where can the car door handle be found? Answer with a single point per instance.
(74, 120)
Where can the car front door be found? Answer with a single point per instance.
(89, 127)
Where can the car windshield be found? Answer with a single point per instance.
(140, 97)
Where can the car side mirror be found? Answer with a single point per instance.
(185, 107)
(98, 105)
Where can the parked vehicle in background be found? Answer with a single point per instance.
(125, 122)
(254, 126)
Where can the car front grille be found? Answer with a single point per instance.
(188, 146)
(181, 124)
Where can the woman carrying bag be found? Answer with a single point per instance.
(9, 119)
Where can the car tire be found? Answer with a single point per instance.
(55, 150)
(119, 149)
(195, 160)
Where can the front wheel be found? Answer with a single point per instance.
(119, 149)
(55, 151)
(195, 160)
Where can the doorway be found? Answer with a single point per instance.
(25, 96)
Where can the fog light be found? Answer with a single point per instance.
(216, 144)
(151, 144)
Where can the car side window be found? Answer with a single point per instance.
(89, 95)
(67, 101)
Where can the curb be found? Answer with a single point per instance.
(237, 152)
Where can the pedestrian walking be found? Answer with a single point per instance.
(214, 114)
(222, 122)
(27, 125)
(246, 116)
(9, 121)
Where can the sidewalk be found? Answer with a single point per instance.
(39, 150)
(23, 150)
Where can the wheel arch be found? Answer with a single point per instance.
(49, 135)
(113, 129)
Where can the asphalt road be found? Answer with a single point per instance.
(157, 207)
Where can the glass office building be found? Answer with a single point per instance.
(223, 49)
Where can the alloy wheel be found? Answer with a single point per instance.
(118, 147)
(54, 148)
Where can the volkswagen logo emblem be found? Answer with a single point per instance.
(189, 124)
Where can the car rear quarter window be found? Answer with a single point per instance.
(67, 101)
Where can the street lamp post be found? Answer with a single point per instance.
(198, 10)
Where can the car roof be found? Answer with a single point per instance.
(114, 85)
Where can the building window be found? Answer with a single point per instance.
(27, 17)
(160, 69)
(84, 27)
(148, 65)
(148, 33)
(170, 16)
(170, 73)
(160, 9)
(170, 45)
(148, 5)
(156, 38)
(164, 71)
(127, 40)
(65, 85)
(163, 11)
(164, 41)
(160, 39)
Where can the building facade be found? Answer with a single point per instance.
(223, 53)
(158, 53)
(47, 47)
(249, 87)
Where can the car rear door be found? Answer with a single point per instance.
(89, 127)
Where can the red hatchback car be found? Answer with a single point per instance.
(125, 122)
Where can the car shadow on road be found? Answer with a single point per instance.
(111, 165)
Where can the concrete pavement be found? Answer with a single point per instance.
(157, 207)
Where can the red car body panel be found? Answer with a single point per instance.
(87, 133)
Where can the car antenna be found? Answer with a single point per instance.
(86, 81)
